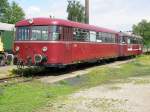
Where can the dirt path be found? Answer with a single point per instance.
(5, 71)
(129, 96)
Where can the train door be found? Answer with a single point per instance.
(67, 37)
(123, 46)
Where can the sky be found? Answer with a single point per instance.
(118, 15)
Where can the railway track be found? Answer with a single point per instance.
(57, 75)
(7, 79)
(14, 80)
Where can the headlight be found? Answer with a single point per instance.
(44, 49)
(38, 58)
(17, 48)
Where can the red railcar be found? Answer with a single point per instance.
(130, 44)
(56, 42)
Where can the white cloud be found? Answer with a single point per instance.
(117, 14)
(35, 11)
(114, 14)
(32, 11)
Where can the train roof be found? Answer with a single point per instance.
(6, 27)
(61, 22)
(129, 34)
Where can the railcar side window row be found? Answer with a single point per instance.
(132, 40)
(55, 33)
(106, 37)
(85, 35)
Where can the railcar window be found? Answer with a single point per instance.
(132, 40)
(86, 35)
(123, 40)
(23, 33)
(44, 33)
(92, 36)
(141, 41)
(39, 33)
(107, 37)
(54, 33)
(99, 37)
(103, 37)
(113, 38)
(36, 34)
(129, 40)
(80, 35)
(137, 41)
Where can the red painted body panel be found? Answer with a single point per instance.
(87, 51)
(55, 51)
(69, 52)
(136, 49)
(130, 49)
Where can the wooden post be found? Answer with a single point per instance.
(87, 11)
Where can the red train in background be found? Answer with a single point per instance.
(55, 42)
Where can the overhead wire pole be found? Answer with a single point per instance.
(87, 11)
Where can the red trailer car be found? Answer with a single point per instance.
(130, 44)
(56, 42)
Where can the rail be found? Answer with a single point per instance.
(4, 80)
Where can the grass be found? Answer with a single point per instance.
(139, 67)
(30, 96)
(26, 97)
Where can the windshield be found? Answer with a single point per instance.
(23, 33)
(38, 33)
(54, 33)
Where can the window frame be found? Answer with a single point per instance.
(18, 34)
(81, 35)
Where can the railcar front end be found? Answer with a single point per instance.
(39, 45)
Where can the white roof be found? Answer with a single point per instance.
(130, 34)
(6, 27)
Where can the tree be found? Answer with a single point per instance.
(143, 29)
(13, 13)
(4, 5)
(76, 11)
